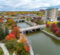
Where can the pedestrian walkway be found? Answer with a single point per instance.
(4, 49)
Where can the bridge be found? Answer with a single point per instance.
(31, 29)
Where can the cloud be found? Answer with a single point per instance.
(12, 5)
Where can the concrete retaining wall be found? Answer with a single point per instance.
(51, 35)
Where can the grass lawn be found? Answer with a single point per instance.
(1, 51)
(10, 52)
(48, 30)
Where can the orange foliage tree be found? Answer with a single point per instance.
(16, 31)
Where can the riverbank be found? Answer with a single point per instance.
(51, 35)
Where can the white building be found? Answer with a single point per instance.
(51, 14)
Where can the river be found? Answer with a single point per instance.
(41, 43)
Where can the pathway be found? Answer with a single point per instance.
(4, 49)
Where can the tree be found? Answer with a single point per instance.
(6, 31)
(1, 34)
(16, 31)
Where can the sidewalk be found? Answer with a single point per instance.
(4, 49)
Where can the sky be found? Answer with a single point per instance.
(27, 5)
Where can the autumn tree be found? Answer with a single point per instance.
(16, 31)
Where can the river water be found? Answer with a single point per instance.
(41, 43)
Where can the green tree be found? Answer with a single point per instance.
(1, 34)
(6, 31)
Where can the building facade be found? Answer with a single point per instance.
(51, 14)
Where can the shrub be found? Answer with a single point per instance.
(47, 25)
(23, 40)
(19, 48)
(39, 21)
(58, 33)
(10, 37)
(32, 20)
(27, 48)
(11, 22)
(11, 45)
(22, 49)
(58, 24)
(54, 25)
(10, 27)
(55, 29)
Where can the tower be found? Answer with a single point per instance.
(51, 14)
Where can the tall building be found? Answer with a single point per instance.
(51, 14)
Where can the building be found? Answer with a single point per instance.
(58, 17)
(51, 14)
